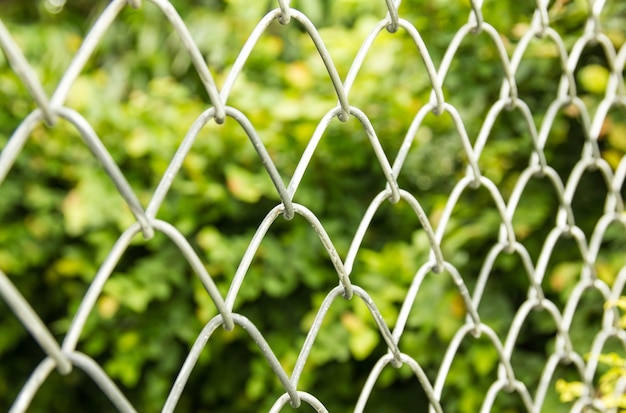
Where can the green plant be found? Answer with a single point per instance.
(60, 214)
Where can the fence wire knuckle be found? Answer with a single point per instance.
(437, 263)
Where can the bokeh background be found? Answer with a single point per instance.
(60, 214)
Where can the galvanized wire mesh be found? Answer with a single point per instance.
(66, 356)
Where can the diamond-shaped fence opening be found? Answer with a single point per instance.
(336, 205)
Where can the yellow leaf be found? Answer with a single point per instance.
(299, 75)
(594, 78)
(68, 266)
(617, 136)
(569, 391)
(108, 306)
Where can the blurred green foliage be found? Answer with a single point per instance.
(60, 214)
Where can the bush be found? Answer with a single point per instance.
(61, 214)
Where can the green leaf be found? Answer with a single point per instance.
(245, 185)
(363, 338)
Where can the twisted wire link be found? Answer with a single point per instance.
(65, 356)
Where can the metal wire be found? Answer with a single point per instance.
(64, 357)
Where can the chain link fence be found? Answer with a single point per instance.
(63, 351)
